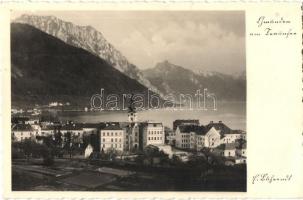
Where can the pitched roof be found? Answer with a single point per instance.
(237, 132)
(22, 127)
(220, 126)
(112, 127)
(200, 130)
(73, 126)
(94, 125)
(179, 122)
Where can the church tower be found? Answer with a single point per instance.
(133, 128)
(132, 114)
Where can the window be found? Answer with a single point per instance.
(103, 145)
(115, 145)
(115, 139)
(103, 134)
(120, 140)
(111, 133)
(120, 145)
(111, 145)
(107, 133)
(103, 139)
(116, 134)
(21, 133)
(112, 140)
(160, 138)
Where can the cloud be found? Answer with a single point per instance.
(199, 40)
(200, 46)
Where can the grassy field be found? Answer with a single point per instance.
(78, 175)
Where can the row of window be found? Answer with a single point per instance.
(154, 132)
(113, 145)
(154, 138)
(112, 133)
(112, 140)
(184, 136)
(21, 133)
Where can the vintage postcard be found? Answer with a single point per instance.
(152, 100)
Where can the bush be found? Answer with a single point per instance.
(17, 154)
(48, 160)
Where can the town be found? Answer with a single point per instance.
(44, 146)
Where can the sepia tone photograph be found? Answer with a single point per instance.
(128, 101)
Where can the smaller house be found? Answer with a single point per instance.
(20, 132)
(241, 150)
(226, 150)
(240, 160)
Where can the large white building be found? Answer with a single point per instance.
(152, 134)
(112, 138)
(196, 137)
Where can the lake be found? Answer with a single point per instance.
(233, 114)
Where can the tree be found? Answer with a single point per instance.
(68, 146)
(48, 158)
(175, 159)
(27, 147)
(207, 153)
(58, 138)
(112, 153)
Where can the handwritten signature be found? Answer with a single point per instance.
(270, 178)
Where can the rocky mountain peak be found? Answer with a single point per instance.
(87, 38)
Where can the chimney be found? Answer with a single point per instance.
(211, 122)
(220, 121)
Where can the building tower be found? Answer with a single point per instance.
(133, 128)
(132, 114)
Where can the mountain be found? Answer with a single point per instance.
(174, 79)
(46, 69)
(88, 38)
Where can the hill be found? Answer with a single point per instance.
(46, 69)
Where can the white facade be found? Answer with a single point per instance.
(241, 152)
(212, 138)
(20, 132)
(153, 134)
(229, 152)
(230, 138)
(197, 140)
(20, 136)
(47, 132)
(182, 139)
(112, 139)
(88, 131)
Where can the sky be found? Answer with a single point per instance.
(198, 40)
